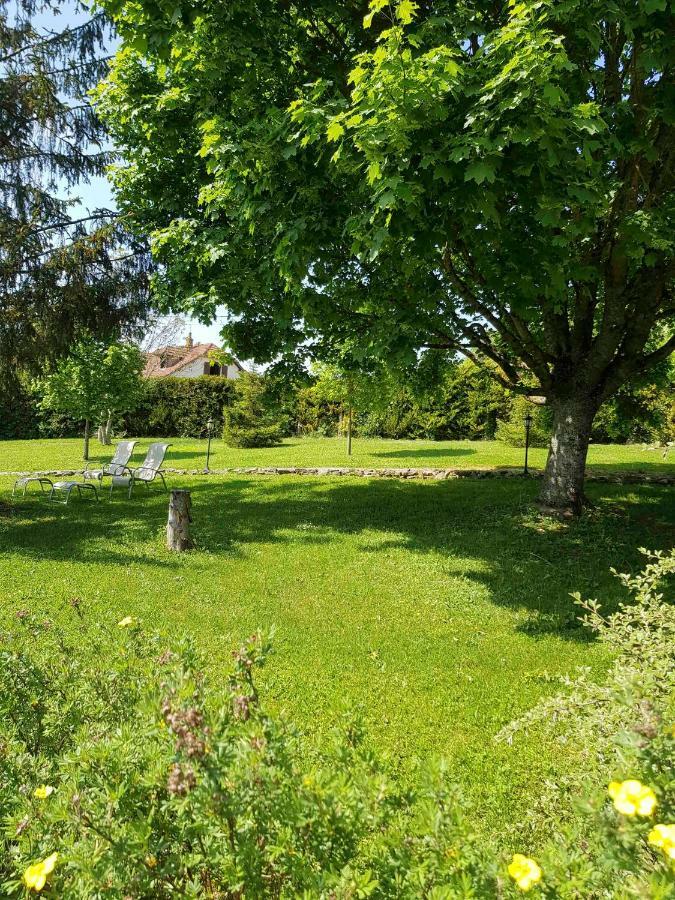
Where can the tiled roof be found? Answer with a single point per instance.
(181, 355)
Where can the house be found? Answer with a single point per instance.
(189, 361)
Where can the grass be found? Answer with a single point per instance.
(367, 453)
(439, 610)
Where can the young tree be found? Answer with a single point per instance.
(62, 269)
(251, 420)
(94, 383)
(495, 178)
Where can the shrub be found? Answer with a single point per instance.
(142, 779)
(180, 407)
(249, 421)
(511, 431)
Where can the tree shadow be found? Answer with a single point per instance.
(421, 454)
(485, 531)
(525, 562)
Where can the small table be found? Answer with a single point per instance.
(46, 484)
(67, 487)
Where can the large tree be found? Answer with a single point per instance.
(63, 268)
(491, 177)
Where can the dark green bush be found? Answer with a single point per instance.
(180, 407)
(511, 430)
(251, 419)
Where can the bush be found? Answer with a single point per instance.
(511, 431)
(180, 407)
(143, 780)
(249, 421)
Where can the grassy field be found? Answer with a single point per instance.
(438, 610)
(367, 453)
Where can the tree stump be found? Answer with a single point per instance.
(178, 527)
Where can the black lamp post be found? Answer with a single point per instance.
(528, 424)
(209, 429)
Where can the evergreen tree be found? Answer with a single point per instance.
(250, 420)
(61, 270)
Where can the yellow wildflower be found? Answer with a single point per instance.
(44, 791)
(126, 622)
(663, 837)
(35, 877)
(632, 798)
(524, 871)
(151, 861)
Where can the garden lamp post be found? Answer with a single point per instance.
(209, 429)
(528, 424)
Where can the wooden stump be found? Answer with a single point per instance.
(178, 527)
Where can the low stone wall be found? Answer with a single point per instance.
(415, 473)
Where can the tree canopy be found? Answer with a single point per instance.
(63, 269)
(95, 382)
(495, 179)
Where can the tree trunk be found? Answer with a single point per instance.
(349, 433)
(563, 488)
(104, 430)
(178, 527)
(86, 440)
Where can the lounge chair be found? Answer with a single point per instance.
(116, 466)
(146, 472)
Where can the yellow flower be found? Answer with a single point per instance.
(524, 871)
(44, 791)
(35, 877)
(126, 622)
(663, 837)
(151, 861)
(632, 798)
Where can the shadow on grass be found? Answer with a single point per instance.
(485, 530)
(425, 454)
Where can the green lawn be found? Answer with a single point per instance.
(367, 453)
(437, 609)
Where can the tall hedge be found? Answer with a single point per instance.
(180, 407)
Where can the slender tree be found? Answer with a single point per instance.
(494, 178)
(62, 269)
(94, 383)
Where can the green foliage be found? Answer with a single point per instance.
(453, 400)
(180, 407)
(95, 381)
(251, 420)
(149, 780)
(643, 410)
(511, 431)
(440, 175)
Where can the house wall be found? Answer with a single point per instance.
(196, 368)
(192, 370)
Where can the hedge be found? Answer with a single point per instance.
(180, 407)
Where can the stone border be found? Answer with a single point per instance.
(414, 473)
